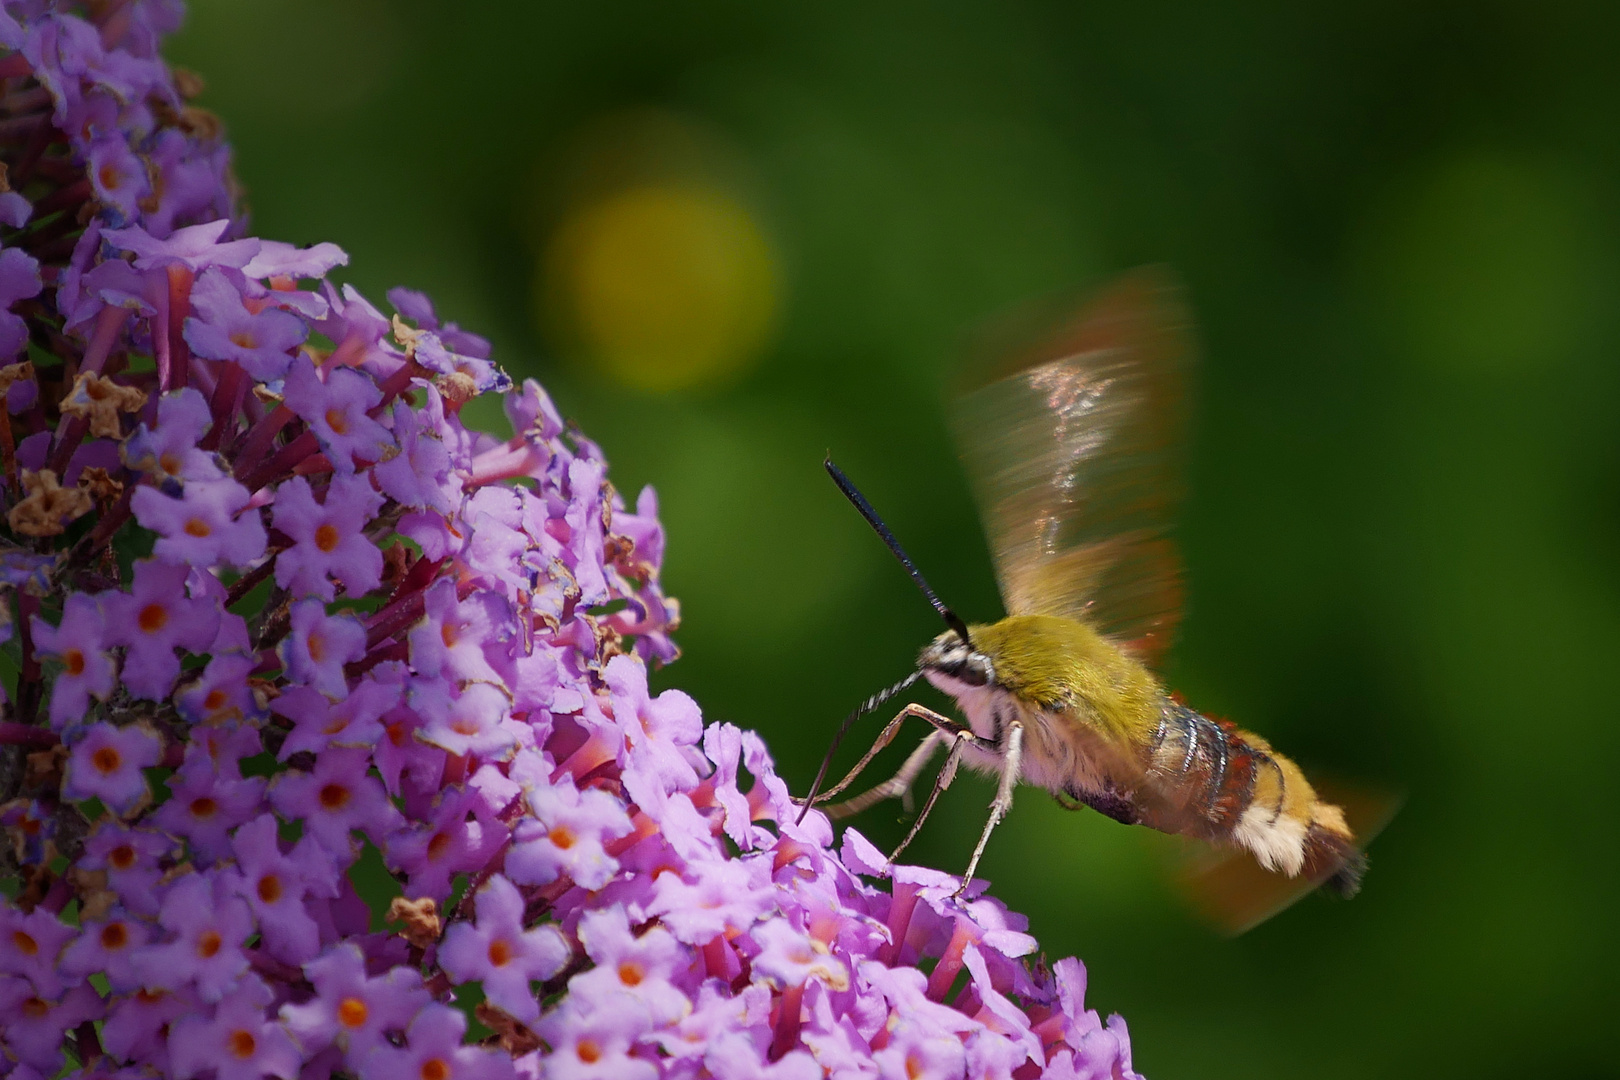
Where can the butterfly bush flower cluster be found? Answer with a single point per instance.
(272, 611)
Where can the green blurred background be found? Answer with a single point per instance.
(729, 237)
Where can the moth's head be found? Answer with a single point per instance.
(952, 657)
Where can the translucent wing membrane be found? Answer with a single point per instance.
(1233, 893)
(1076, 460)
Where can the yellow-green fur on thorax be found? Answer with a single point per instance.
(1066, 666)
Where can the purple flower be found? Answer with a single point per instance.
(88, 669)
(195, 247)
(106, 764)
(598, 1044)
(169, 451)
(319, 645)
(447, 843)
(419, 475)
(450, 639)
(335, 798)
(154, 619)
(335, 409)
(210, 924)
(222, 694)
(19, 280)
(108, 946)
(29, 945)
(117, 175)
(567, 836)
(224, 328)
(472, 722)
(643, 967)
(205, 526)
(433, 1051)
(36, 1024)
(274, 885)
(237, 1042)
(659, 734)
(129, 857)
(350, 1009)
(278, 260)
(318, 722)
(499, 951)
(204, 806)
(328, 537)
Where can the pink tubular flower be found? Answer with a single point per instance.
(390, 674)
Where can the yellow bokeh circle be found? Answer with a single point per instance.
(663, 287)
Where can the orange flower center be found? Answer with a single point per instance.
(562, 836)
(215, 700)
(326, 538)
(631, 973)
(24, 942)
(122, 857)
(499, 952)
(435, 1069)
(34, 1008)
(333, 796)
(107, 760)
(114, 936)
(352, 1012)
(437, 845)
(203, 807)
(209, 944)
(73, 660)
(338, 421)
(269, 888)
(245, 340)
(317, 647)
(588, 1051)
(153, 617)
(243, 1043)
(198, 527)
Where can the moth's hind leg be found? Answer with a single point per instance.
(897, 786)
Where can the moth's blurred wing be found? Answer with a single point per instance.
(1233, 894)
(1076, 461)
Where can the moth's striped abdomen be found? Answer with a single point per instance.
(1211, 779)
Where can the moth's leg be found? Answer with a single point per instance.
(951, 728)
(897, 786)
(947, 773)
(1012, 755)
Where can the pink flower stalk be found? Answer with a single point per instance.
(276, 610)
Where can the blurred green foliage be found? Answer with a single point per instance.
(1398, 230)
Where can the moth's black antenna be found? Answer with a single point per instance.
(849, 721)
(952, 619)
